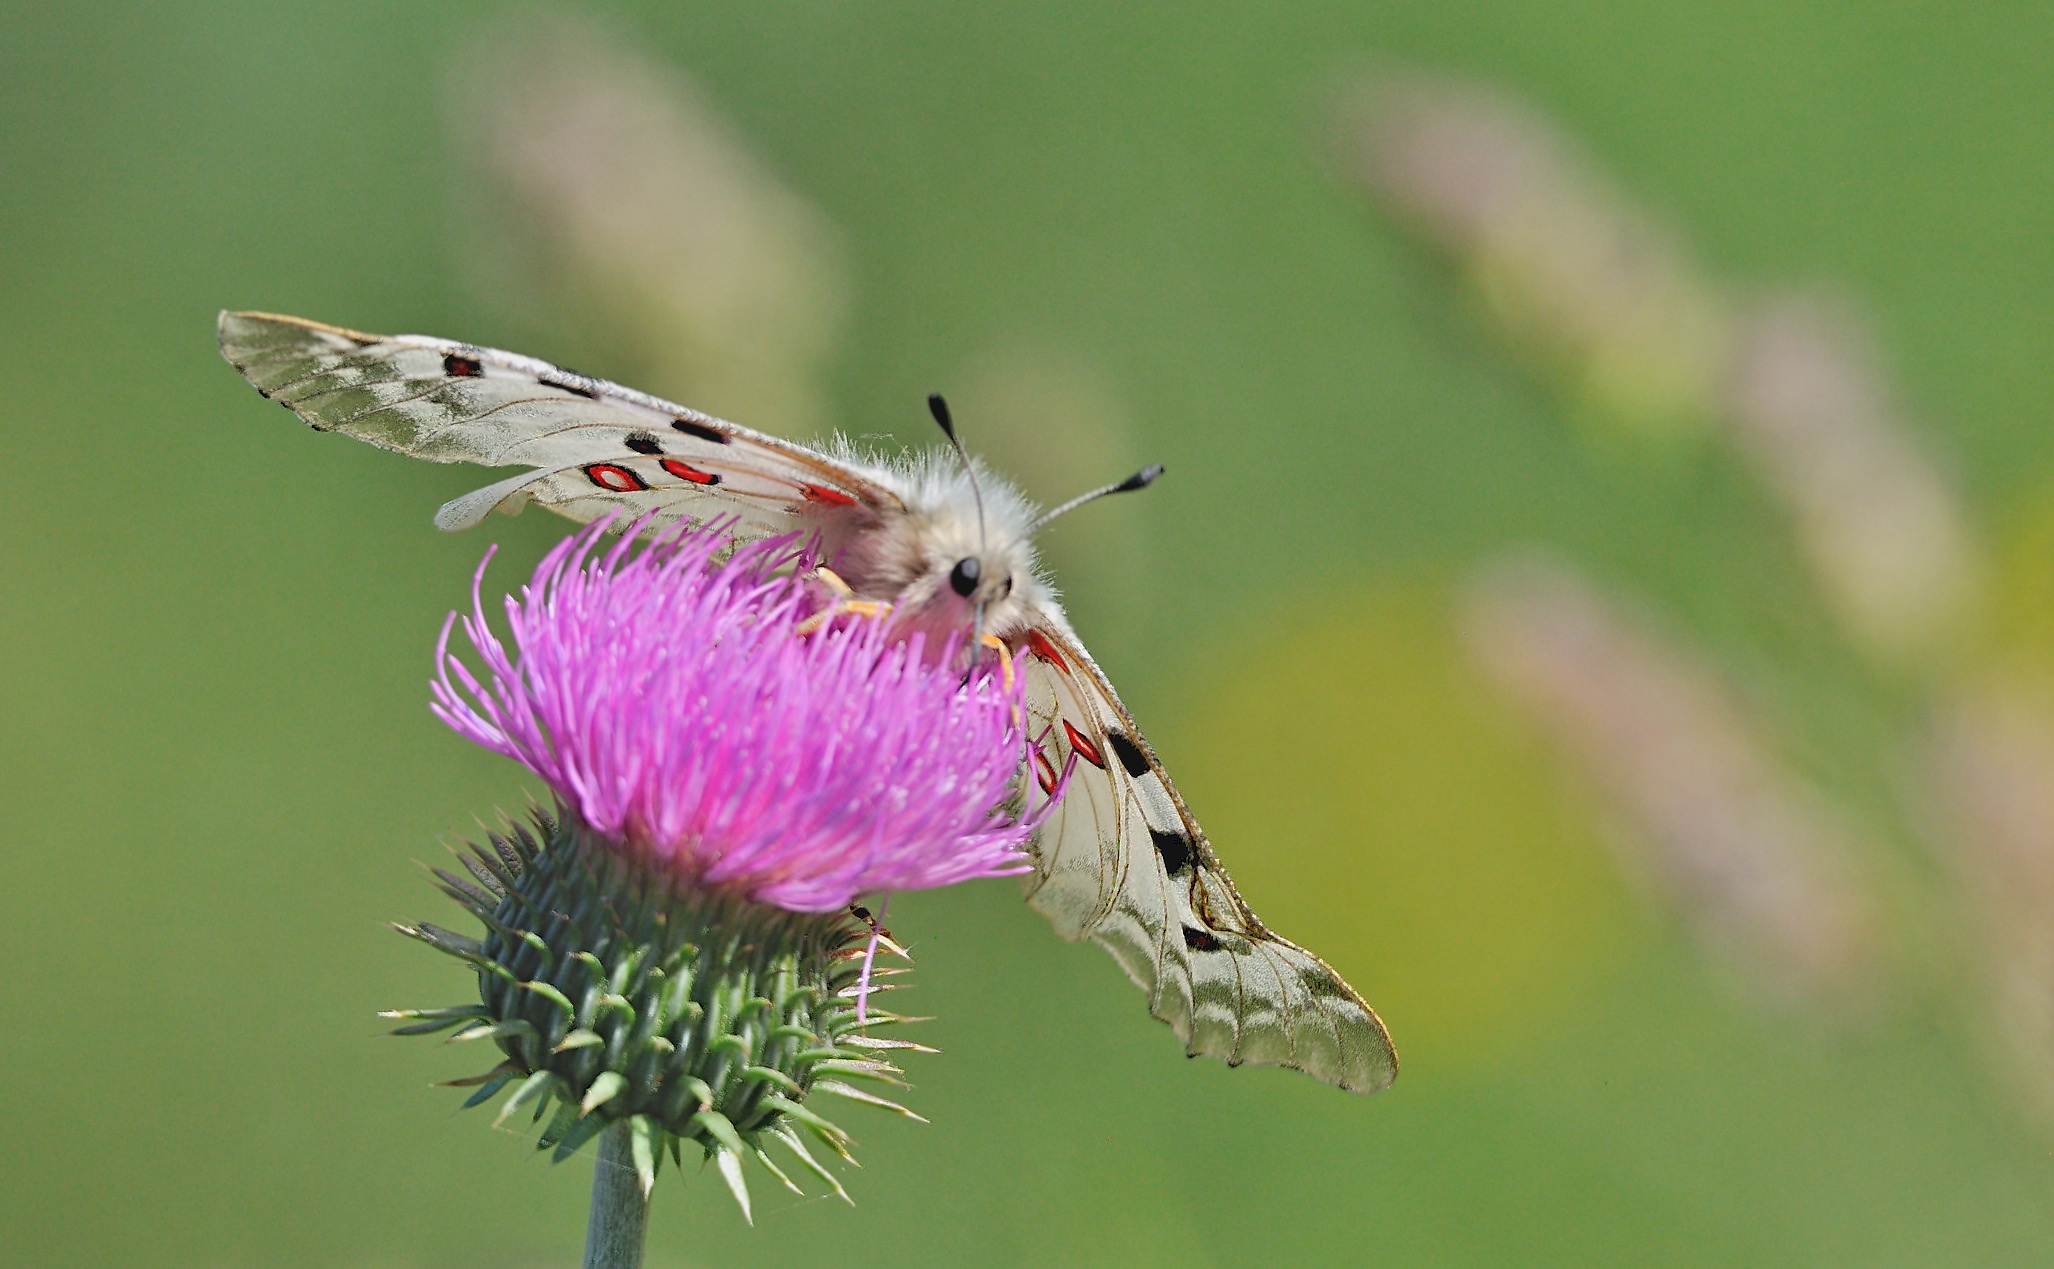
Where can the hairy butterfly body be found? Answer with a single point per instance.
(1120, 860)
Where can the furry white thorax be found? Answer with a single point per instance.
(906, 557)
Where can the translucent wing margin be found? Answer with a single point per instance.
(590, 446)
(1121, 861)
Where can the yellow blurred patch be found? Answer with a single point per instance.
(1379, 803)
(2023, 607)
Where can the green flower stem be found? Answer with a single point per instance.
(620, 1212)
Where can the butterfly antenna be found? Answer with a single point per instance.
(1139, 480)
(940, 410)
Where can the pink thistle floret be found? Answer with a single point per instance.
(670, 699)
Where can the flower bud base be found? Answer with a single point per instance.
(616, 993)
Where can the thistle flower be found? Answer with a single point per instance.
(671, 704)
(672, 951)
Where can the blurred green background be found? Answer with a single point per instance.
(215, 626)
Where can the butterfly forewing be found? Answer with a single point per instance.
(591, 446)
(1121, 862)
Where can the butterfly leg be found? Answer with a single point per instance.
(1005, 656)
(845, 602)
(833, 581)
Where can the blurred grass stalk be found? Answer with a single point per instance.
(1882, 526)
(1594, 291)
(1605, 300)
(1758, 866)
(618, 213)
(1993, 752)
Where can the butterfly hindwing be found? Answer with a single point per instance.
(590, 446)
(1121, 861)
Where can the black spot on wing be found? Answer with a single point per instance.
(458, 366)
(1201, 940)
(575, 389)
(1175, 849)
(1129, 753)
(1324, 985)
(643, 443)
(699, 431)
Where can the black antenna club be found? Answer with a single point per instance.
(940, 410)
(1139, 480)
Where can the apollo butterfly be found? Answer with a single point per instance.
(943, 542)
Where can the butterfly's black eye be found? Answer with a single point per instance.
(963, 577)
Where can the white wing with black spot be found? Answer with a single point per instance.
(590, 446)
(1121, 861)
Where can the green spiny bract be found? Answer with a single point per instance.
(616, 994)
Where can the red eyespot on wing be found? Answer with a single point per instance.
(824, 494)
(1044, 771)
(1038, 643)
(461, 367)
(685, 471)
(614, 478)
(1082, 744)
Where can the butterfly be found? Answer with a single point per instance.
(949, 547)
